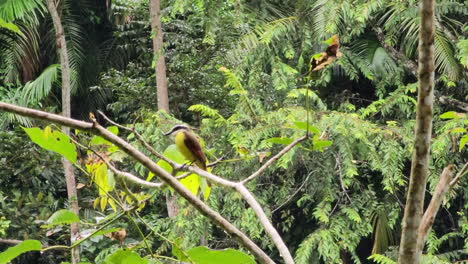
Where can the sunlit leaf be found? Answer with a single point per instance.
(9, 26)
(204, 255)
(62, 217)
(463, 142)
(451, 115)
(303, 126)
(13, 252)
(54, 141)
(192, 183)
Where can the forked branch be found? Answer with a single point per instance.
(97, 129)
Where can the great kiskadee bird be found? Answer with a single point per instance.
(189, 145)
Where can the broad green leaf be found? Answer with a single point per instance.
(13, 252)
(62, 217)
(124, 257)
(54, 141)
(171, 153)
(191, 182)
(113, 129)
(303, 126)
(280, 140)
(204, 255)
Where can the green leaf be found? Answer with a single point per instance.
(62, 217)
(192, 183)
(280, 140)
(178, 252)
(9, 26)
(18, 9)
(13, 252)
(124, 257)
(463, 142)
(38, 89)
(171, 153)
(320, 144)
(97, 140)
(204, 255)
(352, 214)
(303, 126)
(451, 115)
(54, 141)
(458, 130)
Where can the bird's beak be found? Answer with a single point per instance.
(168, 133)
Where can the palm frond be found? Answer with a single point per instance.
(11, 10)
(35, 91)
(445, 60)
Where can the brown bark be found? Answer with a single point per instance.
(429, 215)
(158, 49)
(66, 111)
(409, 253)
(170, 180)
(161, 82)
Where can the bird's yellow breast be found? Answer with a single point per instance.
(180, 144)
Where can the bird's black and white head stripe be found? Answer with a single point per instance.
(177, 128)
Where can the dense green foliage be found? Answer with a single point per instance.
(238, 70)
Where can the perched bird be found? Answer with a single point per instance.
(189, 145)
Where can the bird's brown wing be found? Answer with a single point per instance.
(192, 143)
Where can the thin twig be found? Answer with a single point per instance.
(293, 194)
(137, 135)
(273, 159)
(459, 175)
(338, 164)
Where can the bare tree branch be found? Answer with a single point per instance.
(450, 101)
(10, 241)
(459, 175)
(273, 159)
(95, 128)
(238, 186)
(429, 215)
(137, 135)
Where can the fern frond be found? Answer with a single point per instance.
(381, 259)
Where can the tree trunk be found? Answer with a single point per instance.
(158, 49)
(409, 252)
(66, 111)
(161, 82)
